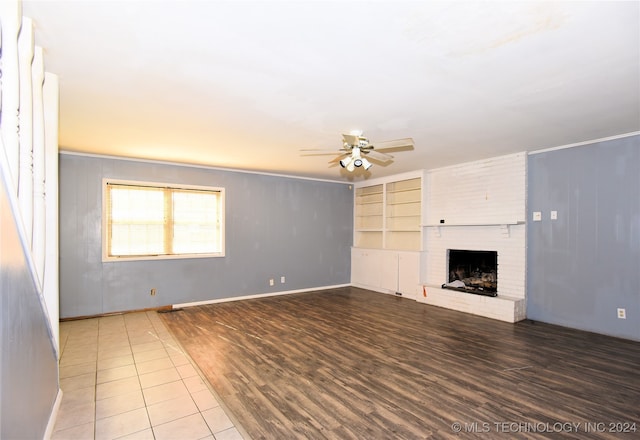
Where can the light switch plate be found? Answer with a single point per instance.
(537, 216)
(554, 215)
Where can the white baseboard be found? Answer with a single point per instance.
(54, 416)
(259, 295)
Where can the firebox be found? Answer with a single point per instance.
(473, 271)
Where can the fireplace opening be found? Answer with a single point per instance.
(473, 271)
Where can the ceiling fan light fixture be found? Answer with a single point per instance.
(355, 147)
(344, 163)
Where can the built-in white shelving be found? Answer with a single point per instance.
(403, 211)
(369, 217)
(387, 243)
(388, 214)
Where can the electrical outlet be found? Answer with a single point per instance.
(622, 314)
(271, 283)
(282, 279)
(153, 292)
(537, 216)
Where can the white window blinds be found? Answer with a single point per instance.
(151, 220)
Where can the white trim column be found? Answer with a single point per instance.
(25, 118)
(50, 285)
(38, 224)
(11, 13)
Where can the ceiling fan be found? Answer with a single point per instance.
(356, 148)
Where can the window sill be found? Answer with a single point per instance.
(106, 259)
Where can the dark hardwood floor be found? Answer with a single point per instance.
(353, 364)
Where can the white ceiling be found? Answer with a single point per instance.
(245, 85)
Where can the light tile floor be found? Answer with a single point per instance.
(125, 377)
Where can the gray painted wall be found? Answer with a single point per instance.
(275, 226)
(586, 264)
(28, 361)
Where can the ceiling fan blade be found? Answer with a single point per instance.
(376, 155)
(321, 152)
(396, 143)
(338, 158)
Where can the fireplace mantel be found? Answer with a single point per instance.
(501, 223)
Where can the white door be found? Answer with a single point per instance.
(389, 273)
(366, 267)
(408, 273)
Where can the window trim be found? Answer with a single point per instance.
(105, 239)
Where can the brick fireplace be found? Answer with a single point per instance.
(508, 241)
(478, 207)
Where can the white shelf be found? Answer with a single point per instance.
(388, 213)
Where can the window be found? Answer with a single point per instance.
(151, 220)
